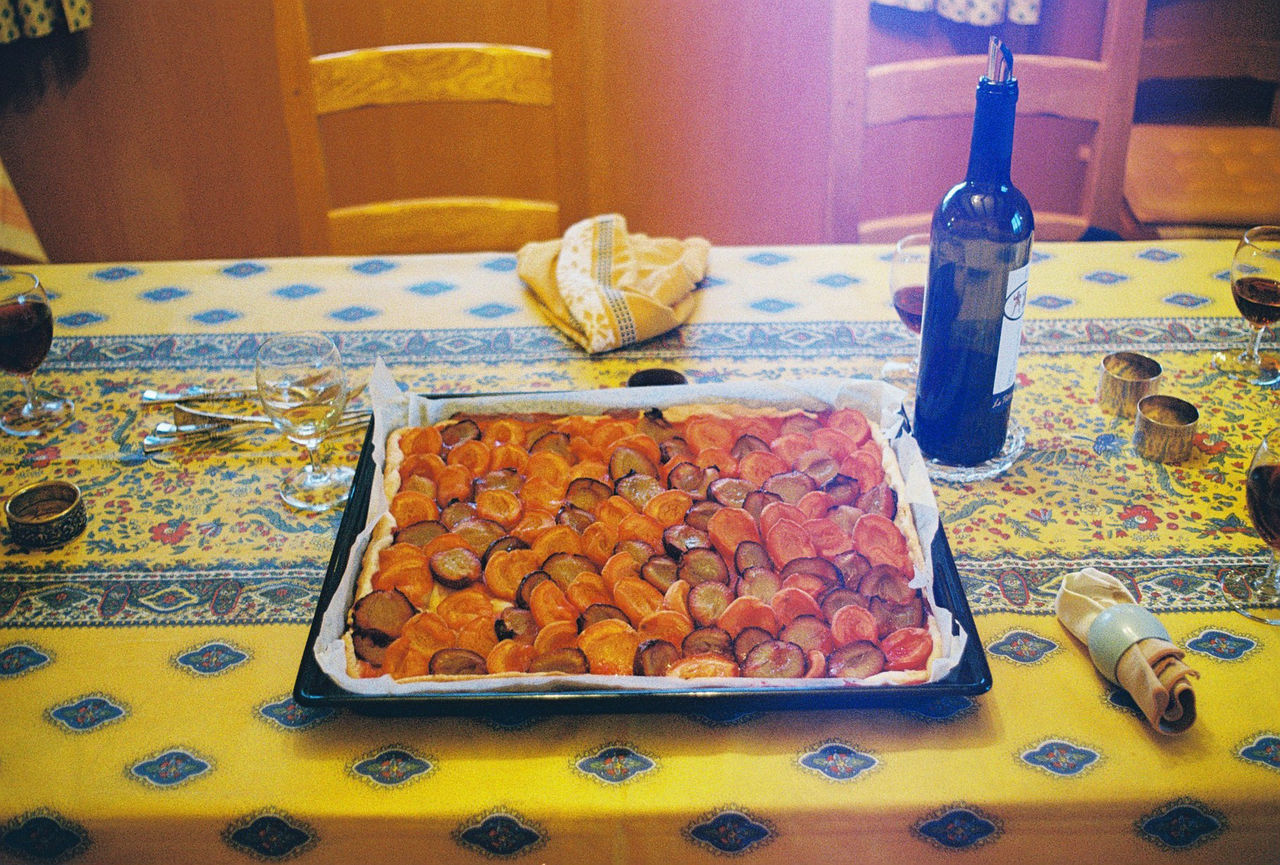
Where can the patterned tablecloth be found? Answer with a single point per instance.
(146, 668)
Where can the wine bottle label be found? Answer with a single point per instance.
(1015, 304)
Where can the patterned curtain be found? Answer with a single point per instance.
(35, 18)
(41, 41)
(981, 13)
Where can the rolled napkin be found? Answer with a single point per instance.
(606, 288)
(1129, 647)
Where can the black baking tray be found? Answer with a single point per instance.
(313, 688)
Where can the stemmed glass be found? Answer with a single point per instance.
(1259, 597)
(26, 333)
(303, 389)
(1255, 285)
(908, 275)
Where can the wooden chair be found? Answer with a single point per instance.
(885, 100)
(1192, 179)
(370, 79)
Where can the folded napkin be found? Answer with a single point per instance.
(1129, 647)
(607, 288)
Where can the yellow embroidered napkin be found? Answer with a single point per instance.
(607, 288)
(1129, 647)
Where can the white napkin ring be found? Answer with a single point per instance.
(1117, 628)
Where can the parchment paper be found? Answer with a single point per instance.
(392, 408)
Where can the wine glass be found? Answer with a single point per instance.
(303, 389)
(1255, 285)
(908, 276)
(26, 332)
(1258, 597)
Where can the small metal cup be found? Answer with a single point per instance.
(45, 514)
(1124, 379)
(1164, 428)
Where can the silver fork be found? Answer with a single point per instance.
(159, 441)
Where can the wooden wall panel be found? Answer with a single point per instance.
(171, 146)
(700, 116)
(711, 118)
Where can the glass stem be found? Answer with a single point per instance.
(313, 454)
(29, 389)
(1269, 586)
(1256, 344)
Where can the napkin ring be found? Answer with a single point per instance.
(1117, 628)
(45, 514)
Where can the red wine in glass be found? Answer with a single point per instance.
(908, 301)
(26, 332)
(1262, 495)
(1258, 299)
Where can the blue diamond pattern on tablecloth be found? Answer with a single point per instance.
(1265, 750)
(216, 316)
(1181, 825)
(297, 291)
(1060, 758)
(1184, 583)
(1221, 645)
(115, 274)
(392, 766)
(959, 828)
(772, 305)
(212, 659)
(290, 715)
(1037, 256)
(838, 761)
(169, 598)
(768, 259)
(504, 264)
(62, 597)
(165, 294)
(1159, 255)
(837, 280)
(354, 313)
(1049, 301)
(710, 282)
(1106, 277)
(243, 269)
(492, 310)
(43, 836)
(615, 764)
(1224, 275)
(729, 832)
(87, 713)
(432, 288)
(269, 836)
(170, 768)
(373, 266)
(81, 319)
(503, 835)
(1187, 301)
(1023, 647)
(20, 658)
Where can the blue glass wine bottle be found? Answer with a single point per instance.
(979, 257)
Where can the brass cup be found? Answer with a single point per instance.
(1124, 379)
(45, 514)
(1164, 428)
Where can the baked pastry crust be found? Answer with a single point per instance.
(385, 529)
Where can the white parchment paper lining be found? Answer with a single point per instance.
(393, 408)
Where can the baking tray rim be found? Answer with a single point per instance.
(314, 689)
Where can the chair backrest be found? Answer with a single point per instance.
(1197, 57)
(319, 86)
(881, 97)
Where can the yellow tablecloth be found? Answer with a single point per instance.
(146, 668)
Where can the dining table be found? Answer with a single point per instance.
(148, 666)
